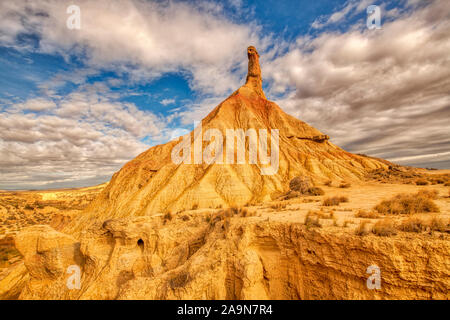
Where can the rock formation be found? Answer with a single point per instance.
(152, 183)
(134, 241)
(247, 258)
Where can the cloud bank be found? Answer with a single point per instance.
(380, 92)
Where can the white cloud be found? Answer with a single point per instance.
(87, 137)
(145, 38)
(350, 8)
(380, 92)
(166, 102)
(37, 104)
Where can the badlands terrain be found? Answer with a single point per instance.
(165, 230)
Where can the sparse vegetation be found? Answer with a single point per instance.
(168, 216)
(367, 214)
(362, 230)
(328, 183)
(345, 185)
(312, 221)
(316, 191)
(421, 182)
(278, 206)
(300, 184)
(384, 228)
(440, 225)
(408, 204)
(430, 194)
(418, 225)
(334, 201)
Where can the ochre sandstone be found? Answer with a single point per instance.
(139, 239)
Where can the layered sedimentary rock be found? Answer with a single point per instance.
(247, 258)
(127, 250)
(153, 183)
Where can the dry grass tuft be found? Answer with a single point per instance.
(168, 216)
(408, 204)
(384, 228)
(421, 182)
(316, 191)
(334, 201)
(430, 194)
(321, 214)
(362, 230)
(328, 183)
(413, 224)
(418, 225)
(278, 206)
(367, 215)
(312, 221)
(345, 185)
(300, 184)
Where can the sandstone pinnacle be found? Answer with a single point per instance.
(153, 183)
(254, 79)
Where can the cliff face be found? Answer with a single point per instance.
(153, 183)
(242, 258)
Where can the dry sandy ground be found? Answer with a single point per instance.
(363, 196)
(24, 208)
(19, 209)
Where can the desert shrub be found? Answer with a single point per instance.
(168, 216)
(345, 224)
(28, 207)
(195, 206)
(362, 230)
(321, 214)
(316, 191)
(312, 221)
(421, 182)
(334, 201)
(437, 224)
(278, 206)
(384, 228)
(407, 204)
(328, 183)
(367, 215)
(430, 194)
(300, 184)
(413, 224)
(447, 184)
(345, 185)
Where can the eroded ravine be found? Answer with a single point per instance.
(193, 257)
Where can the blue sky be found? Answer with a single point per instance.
(75, 105)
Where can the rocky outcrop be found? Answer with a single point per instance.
(152, 183)
(196, 257)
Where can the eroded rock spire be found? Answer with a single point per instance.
(254, 79)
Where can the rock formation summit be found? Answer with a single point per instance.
(152, 183)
